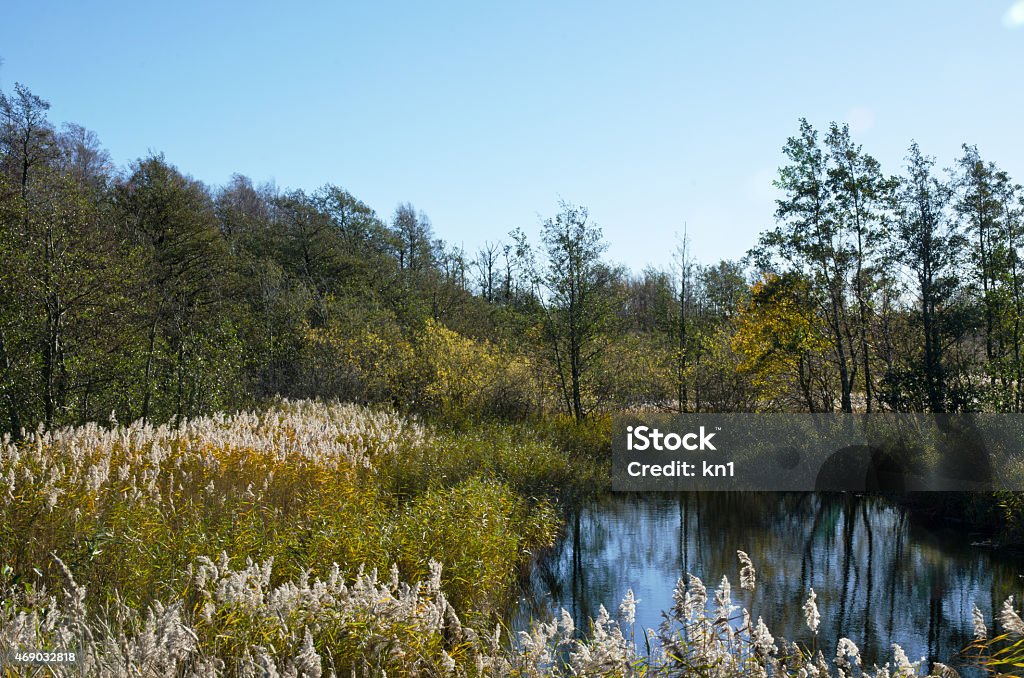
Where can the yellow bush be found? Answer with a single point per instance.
(439, 371)
(778, 335)
(463, 377)
(373, 363)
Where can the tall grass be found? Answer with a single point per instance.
(130, 508)
(236, 621)
(307, 540)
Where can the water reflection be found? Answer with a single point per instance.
(879, 578)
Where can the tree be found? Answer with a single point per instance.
(930, 247)
(310, 248)
(684, 334)
(182, 315)
(812, 240)
(1012, 199)
(74, 269)
(14, 341)
(981, 188)
(720, 292)
(26, 135)
(26, 146)
(723, 288)
(780, 344)
(486, 266)
(413, 238)
(577, 304)
(244, 213)
(354, 220)
(862, 198)
(362, 264)
(62, 266)
(83, 158)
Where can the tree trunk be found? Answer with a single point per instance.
(147, 392)
(13, 416)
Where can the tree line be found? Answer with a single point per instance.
(141, 293)
(910, 284)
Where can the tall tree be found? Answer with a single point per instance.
(486, 265)
(862, 197)
(172, 221)
(84, 158)
(413, 238)
(27, 140)
(14, 342)
(1012, 199)
(720, 291)
(979, 191)
(930, 249)
(62, 265)
(26, 146)
(576, 300)
(812, 241)
(685, 323)
(780, 343)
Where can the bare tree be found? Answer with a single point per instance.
(486, 265)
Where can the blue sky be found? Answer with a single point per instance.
(484, 114)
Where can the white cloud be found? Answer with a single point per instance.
(1014, 17)
(861, 118)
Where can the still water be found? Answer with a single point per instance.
(880, 578)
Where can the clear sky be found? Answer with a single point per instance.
(483, 114)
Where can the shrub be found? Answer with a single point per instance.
(467, 379)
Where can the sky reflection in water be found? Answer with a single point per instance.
(879, 578)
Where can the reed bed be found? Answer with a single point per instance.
(238, 622)
(308, 540)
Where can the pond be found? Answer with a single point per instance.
(880, 578)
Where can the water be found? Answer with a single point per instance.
(880, 579)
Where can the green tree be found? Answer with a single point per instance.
(1012, 199)
(188, 340)
(59, 284)
(781, 345)
(982, 190)
(863, 200)
(812, 241)
(14, 336)
(930, 247)
(577, 300)
(277, 302)
(719, 385)
(27, 140)
(413, 237)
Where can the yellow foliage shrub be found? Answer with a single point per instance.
(462, 377)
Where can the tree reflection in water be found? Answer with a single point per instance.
(879, 578)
